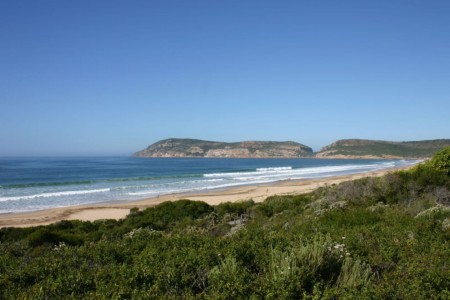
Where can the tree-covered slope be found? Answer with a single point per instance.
(373, 238)
(357, 148)
(200, 148)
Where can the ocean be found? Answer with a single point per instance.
(30, 184)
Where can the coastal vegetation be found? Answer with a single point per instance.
(372, 238)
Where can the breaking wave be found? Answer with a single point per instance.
(56, 194)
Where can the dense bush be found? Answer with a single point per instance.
(166, 214)
(374, 238)
(440, 161)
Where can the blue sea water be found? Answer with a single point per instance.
(29, 184)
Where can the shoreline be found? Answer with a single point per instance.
(119, 210)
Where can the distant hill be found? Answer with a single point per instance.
(357, 148)
(249, 149)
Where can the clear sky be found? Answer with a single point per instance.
(111, 77)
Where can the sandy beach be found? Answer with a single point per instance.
(120, 210)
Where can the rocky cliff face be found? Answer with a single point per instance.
(370, 149)
(199, 148)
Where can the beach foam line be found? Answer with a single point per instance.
(166, 184)
(194, 189)
(150, 178)
(56, 194)
(273, 169)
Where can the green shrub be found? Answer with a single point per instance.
(166, 214)
(235, 208)
(228, 280)
(441, 160)
(354, 274)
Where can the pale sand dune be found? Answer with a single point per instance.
(99, 213)
(120, 210)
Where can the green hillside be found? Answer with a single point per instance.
(373, 238)
(358, 147)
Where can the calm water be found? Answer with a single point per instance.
(28, 184)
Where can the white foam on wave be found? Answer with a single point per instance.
(160, 190)
(271, 170)
(158, 185)
(56, 194)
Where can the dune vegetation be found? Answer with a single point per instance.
(372, 238)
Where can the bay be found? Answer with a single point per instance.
(29, 184)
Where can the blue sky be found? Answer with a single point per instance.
(111, 77)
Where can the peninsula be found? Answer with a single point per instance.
(249, 149)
